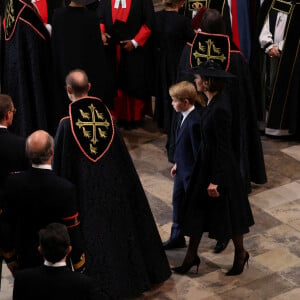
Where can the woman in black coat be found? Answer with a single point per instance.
(216, 200)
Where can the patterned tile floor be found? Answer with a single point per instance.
(273, 243)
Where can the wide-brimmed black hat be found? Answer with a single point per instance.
(84, 2)
(210, 68)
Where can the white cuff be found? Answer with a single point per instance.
(135, 43)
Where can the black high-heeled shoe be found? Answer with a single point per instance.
(185, 268)
(238, 265)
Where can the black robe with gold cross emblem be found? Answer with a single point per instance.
(123, 248)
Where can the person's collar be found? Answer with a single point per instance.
(185, 113)
(40, 166)
(55, 265)
(3, 126)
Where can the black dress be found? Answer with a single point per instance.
(230, 214)
(124, 251)
(171, 33)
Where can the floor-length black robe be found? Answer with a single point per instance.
(26, 73)
(123, 247)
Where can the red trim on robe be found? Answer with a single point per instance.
(143, 35)
(71, 217)
(42, 9)
(102, 27)
(120, 13)
(235, 25)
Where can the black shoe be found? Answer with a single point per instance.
(185, 268)
(220, 246)
(174, 243)
(238, 265)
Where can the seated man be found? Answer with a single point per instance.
(54, 280)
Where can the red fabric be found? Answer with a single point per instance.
(128, 108)
(143, 35)
(41, 6)
(102, 27)
(235, 27)
(120, 13)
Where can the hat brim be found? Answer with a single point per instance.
(209, 72)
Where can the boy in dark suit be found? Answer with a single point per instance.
(187, 143)
(54, 280)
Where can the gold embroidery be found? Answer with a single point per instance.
(208, 52)
(80, 263)
(95, 121)
(196, 4)
(9, 17)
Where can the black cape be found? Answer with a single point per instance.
(76, 43)
(123, 247)
(26, 69)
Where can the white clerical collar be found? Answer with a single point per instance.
(117, 3)
(37, 166)
(55, 265)
(2, 126)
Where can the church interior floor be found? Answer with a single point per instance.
(273, 242)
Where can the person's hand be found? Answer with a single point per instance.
(212, 190)
(173, 171)
(274, 51)
(127, 45)
(105, 38)
(13, 267)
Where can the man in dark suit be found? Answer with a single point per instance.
(37, 197)
(187, 143)
(12, 159)
(54, 280)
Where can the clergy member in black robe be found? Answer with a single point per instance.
(123, 248)
(129, 24)
(26, 72)
(281, 92)
(76, 43)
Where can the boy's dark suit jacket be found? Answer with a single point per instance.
(187, 144)
(33, 199)
(54, 283)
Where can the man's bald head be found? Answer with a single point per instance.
(39, 147)
(77, 83)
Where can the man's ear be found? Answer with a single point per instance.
(40, 250)
(69, 250)
(69, 90)
(89, 86)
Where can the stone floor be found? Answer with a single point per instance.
(273, 243)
